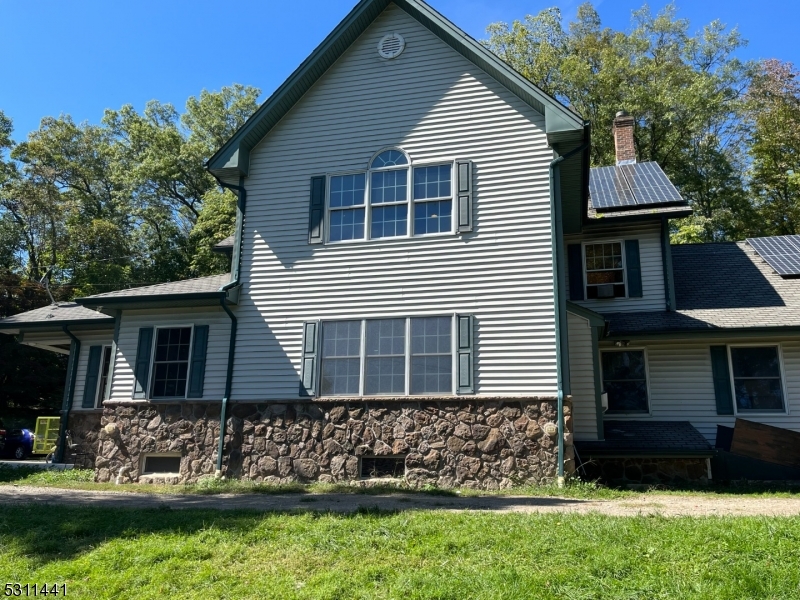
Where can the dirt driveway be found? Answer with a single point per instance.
(646, 504)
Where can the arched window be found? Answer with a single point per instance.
(388, 194)
(392, 198)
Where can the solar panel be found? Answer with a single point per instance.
(608, 188)
(650, 185)
(631, 186)
(782, 253)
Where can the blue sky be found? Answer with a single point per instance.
(84, 56)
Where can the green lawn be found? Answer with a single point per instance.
(103, 553)
(84, 479)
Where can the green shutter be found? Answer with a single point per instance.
(465, 353)
(634, 268)
(575, 262)
(197, 371)
(722, 380)
(463, 196)
(308, 369)
(316, 212)
(92, 377)
(141, 370)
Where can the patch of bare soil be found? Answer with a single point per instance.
(667, 505)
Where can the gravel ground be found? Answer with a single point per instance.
(647, 504)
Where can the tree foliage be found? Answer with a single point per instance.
(118, 203)
(123, 202)
(724, 130)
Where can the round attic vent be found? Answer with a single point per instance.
(391, 45)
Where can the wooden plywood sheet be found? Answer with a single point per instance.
(765, 442)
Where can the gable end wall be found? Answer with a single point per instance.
(438, 106)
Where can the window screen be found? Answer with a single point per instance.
(341, 358)
(171, 362)
(433, 203)
(389, 200)
(757, 378)
(431, 356)
(385, 367)
(625, 380)
(347, 207)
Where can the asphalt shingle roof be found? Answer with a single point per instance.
(224, 245)
(187, 286)
(648, 437)
(719, 286)
(55, 314)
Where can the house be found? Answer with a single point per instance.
(428, 280)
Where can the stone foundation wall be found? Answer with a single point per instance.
(85, 429)
(647, 471)
(485, 445)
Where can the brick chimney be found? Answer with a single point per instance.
(623, 138)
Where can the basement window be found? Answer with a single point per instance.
(157, 464)
(380, 467)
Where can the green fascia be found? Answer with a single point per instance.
(232, 160)
(102, 322)
(603, 222)
(595, 319)
(715, 333)
(148, 301)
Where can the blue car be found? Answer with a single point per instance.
(15, 443)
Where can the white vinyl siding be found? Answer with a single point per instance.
(581, 375)
(653, 294)
(438, 107)
(682, 386)
(87, 340)
(216, 354)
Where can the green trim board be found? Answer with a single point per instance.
(595, 319)
(56, 325)
(598, 380)
(151, 299)
(666, 259)
(233, 158)
(713, 333)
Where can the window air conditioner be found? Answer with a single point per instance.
(605, 291)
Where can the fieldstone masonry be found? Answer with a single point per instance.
(85, 429)
(486, 444)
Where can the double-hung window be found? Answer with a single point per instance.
(605, 270)
(625, 380)
(406, 356)
(171, 362)
(393, 198)
(757, 380)
(346, 204)
(433, 199)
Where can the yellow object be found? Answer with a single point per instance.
(46, 434)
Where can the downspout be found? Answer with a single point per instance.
(223, 414)
(236, 260)
(69, 393)
(559, 284)
(666, 256)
